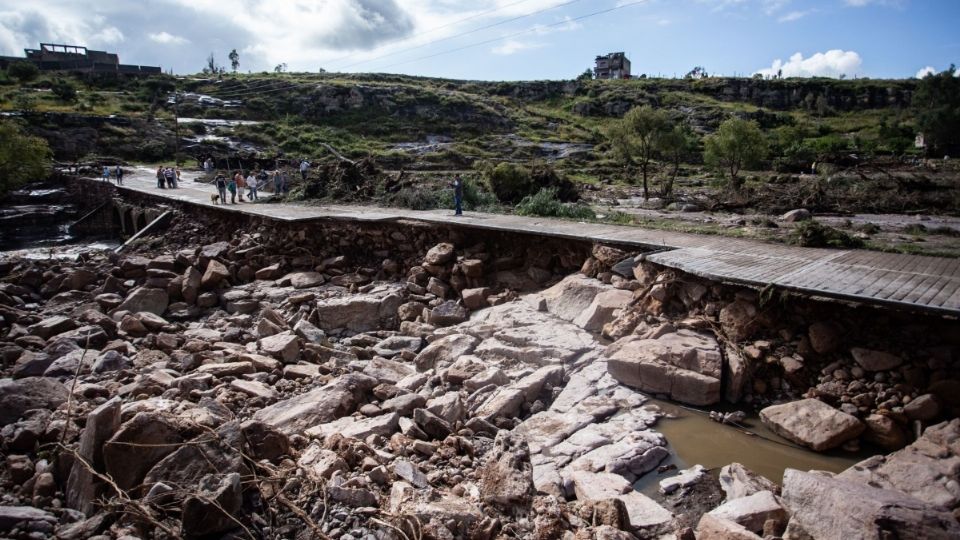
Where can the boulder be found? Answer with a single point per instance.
(384, 425)
(445, 351)
(797, 215)
(143, 299)
(309, 333)
(137, 446)
(928, 469)
(448, 313)
(506, 478)
(871, 360)
(213, 508)
(83, 489)
(14, 516)
(573, 296)
(686, 365)
(824, 337)
(923, 408)
(739, 320)
(603, 309)
(21, 395)
(645, 514)
(305, 280)
(284, 346)
(190, 287)
(337, 398)
(884, 432)
(824, 507)
(387, 371)
(812, 423)
(439, 254)
(52, 326)
(215, 274)
(738, 481)
(712, 527)
(752, 511)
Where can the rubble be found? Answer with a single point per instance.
(402, 384)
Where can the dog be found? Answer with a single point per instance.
(215, 198)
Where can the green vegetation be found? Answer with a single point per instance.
(737, 145)
(23, 158)
(815, 234)
(937, 106)
(639, 136)
(546, 203)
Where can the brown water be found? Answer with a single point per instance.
(695, 439)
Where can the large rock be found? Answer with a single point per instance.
(506, 479)
(215, 274)
(824, 337)
(305, 280)
(825, 507)
(738, 481)
(739, 320)
(439, 254)
(13, 516)
(448, 313)
(284, 346)
(137, 446)
(445, 351)
(752, 511)
(928, 469)
(712, 527)
(572, 297)
(355, 313)
(190, 287)
(21, 395)
(871, 360)
(644, 512)
(213, 508)
(603, 309)
(143, 299)
(685, 365)
(337, 398)
(83, 489)
(52, 326)
(812, 423)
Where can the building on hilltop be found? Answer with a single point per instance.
(57, 57)
(612, 66)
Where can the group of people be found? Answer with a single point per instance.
(118, 174)
(252, 182)
(168, 177)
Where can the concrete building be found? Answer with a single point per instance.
(612, 66)
(57, 57)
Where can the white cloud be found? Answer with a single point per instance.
(925, 71)
(108, 36)
(513, 46)
(167, 38)
(793, 16)
(833, 63)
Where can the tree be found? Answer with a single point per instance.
(587, 75)
(636, 138)
(675, 145)
(211, 68)
(23, 158)
(234, 57)
(699, 72)
(738, 144)
(936, 105)
(64, 91)
(23, 71)
(280, 68)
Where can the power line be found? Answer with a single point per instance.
(441, 27)
(523, 32)
(474, 31)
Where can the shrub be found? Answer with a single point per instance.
(23, 71)
(546, 203)
(815, 234)
(64, 91)
(509, 182)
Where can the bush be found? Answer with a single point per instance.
(23, 71)
(23, 158)
(509, 182)
(546, 203)
(64, 91)
(814, 234)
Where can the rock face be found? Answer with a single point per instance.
(812, 423)
(338, 398)
(825, 507)
(685, 365)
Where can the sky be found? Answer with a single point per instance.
(505, 39)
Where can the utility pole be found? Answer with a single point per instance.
(176, 125)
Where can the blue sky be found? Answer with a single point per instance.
(505, 39)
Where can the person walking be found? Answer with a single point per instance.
(170, 177)
(177, 171)
(304, 169)
(119, 175)
(457, 186)
(241, 185)
(232, 188)
(106, 173)
(221, 183)
(160, 177)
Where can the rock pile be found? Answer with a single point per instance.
(246, 388)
